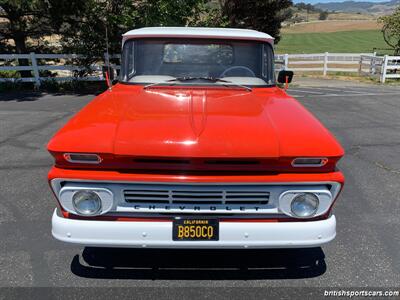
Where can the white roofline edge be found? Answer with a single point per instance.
(198, 32)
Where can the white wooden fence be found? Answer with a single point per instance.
(383, 67)
(61, 63)
(321, 62)
(365, 64)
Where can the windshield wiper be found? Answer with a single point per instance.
(161, 82)
(233, 83)
(189, 78)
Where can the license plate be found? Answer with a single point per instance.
(187, 229)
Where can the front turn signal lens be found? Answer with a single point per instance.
(82, 158)
(309, 162)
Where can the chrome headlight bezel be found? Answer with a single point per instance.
(324, 195)
(67, 192)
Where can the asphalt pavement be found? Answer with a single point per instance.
(366, 251)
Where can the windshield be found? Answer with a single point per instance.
(163, 60)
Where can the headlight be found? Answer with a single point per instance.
(86, 203)
(304, 205)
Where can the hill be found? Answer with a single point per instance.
(360, 7)
(348, 32)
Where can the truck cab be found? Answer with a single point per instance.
(195, 147)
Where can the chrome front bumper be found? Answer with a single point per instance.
(159, 234)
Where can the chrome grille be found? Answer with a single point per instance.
(204, 194)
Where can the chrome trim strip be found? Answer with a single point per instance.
(333, 183)
(335, 187)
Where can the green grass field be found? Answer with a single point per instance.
(344, 41)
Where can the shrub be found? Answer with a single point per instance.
(323, 15)
(9, 74)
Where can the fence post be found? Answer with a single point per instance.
(373, 65)
(286, 61)
(360, 66)
(384, 69)
(326, 63)
(35, 69)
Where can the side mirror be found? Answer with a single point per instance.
(285, 76)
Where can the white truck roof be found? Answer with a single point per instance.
(199, 32)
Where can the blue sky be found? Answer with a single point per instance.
(327, 1)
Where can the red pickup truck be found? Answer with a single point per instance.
(195, 147)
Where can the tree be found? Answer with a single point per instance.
(391, 30)
(307, 7)
(323, 15)
(208, 14)
(86, 35)
(262, 15)
(29, 21)
(169, 13)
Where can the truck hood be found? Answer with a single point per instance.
(196, 122)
